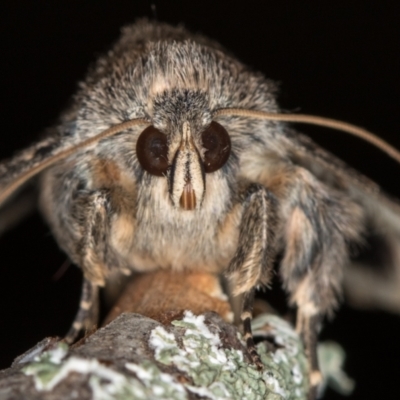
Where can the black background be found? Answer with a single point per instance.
(339, 59)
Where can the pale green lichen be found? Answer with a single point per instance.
(213, 371)
(286, 367)
(157, 383)
(105, 383)
(46, 366)
(331, 357)
(223, 373)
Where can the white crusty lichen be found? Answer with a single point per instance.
(201, 364)
(222, 373)
(286, 367)
(331, 358)
(49, 369)
(46, 366)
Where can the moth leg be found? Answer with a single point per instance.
(317, 223)
(252, 263)
(93, 211)
(246, 317)
(81, 220)
(308, 328)
(87, 315)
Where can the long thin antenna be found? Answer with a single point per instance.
(47, 162)
(239, 112)
(316, 120)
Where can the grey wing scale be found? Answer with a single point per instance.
(24, 196)
(23, 166)
(372, 281)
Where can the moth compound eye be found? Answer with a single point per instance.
(152, 151)
(217, 143)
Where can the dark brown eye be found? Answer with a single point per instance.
(152, 151)
(217, 143)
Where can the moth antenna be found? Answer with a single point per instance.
(9, 189)
(316, 120)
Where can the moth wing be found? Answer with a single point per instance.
(17, 171)
(372, 280)
(22, 199)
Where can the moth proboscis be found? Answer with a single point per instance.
(175, 155)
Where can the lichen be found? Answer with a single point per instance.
(220, 373)
(49, 369)
(202, 363)
(286, 367)
(46, 366)
(331, 357)
(157, 383)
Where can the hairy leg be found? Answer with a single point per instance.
(252, 262)
(317, 223)
(87, 315)
(81, 220)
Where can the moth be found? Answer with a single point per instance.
(175, 155)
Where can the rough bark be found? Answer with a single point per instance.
(175, 354)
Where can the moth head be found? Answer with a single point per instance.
(184, 160)
(154, 153)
